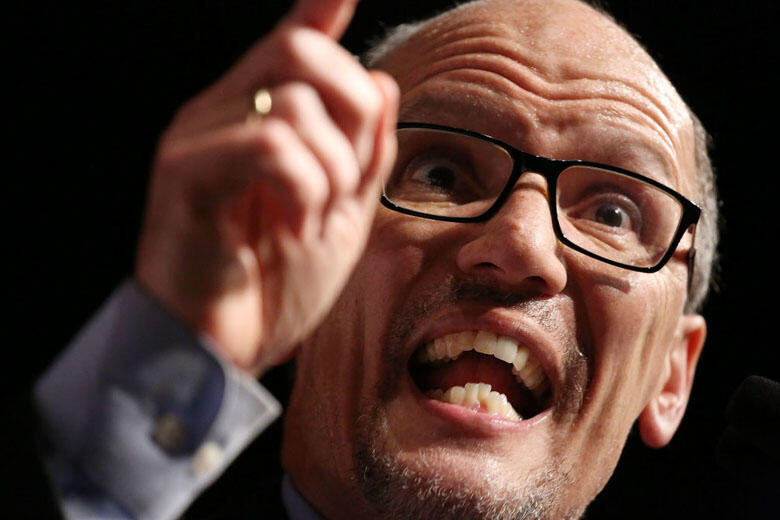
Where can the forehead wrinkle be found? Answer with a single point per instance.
(535, 45)
(532, 53)
(440, 45)
(528, 122)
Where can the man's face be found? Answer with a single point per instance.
(552, 79)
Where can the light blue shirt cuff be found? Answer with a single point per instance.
(146, 411)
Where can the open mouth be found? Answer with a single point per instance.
(483, 372)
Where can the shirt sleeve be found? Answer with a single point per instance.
(139, 415)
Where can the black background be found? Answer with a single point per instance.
(91, 86)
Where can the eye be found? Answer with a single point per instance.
(612, 210)
(437, 176)
(611, 215)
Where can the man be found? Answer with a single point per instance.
(480, 345)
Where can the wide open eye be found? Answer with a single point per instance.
(615, 215)
(610, 209)
(611, 215)
(440, 178)
(603, 204)
(437, 176)
(441, 172)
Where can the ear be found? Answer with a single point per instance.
(663, 413)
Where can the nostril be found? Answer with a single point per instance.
(539, 286)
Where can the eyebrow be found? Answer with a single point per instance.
(625, 151)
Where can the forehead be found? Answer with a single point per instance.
(534, 72)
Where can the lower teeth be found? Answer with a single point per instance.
(478, 397)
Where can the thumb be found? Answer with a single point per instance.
(331, 17)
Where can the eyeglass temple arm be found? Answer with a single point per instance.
(690, 259)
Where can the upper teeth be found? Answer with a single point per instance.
(525, 366)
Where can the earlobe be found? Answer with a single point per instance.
(663, 413)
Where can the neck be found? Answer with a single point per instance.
(327, 491)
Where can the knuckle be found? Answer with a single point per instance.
(267, 138)
(371, 101)
(366, 126)
(297, 98)
(289, 50)
(273, 154)
(300, 92)
(316, 191)
(365, 98)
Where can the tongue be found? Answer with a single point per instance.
(472, 367)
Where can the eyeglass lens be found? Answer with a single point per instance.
(604, 212)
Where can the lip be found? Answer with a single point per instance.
(502, 322)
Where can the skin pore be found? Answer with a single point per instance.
(553, 78)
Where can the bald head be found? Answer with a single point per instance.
(564, 42)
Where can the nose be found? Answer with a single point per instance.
(517, 247)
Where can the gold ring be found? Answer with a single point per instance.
(261, 102)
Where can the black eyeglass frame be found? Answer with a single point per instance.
(551, 169)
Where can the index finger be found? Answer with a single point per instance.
(331, 17)
(259, 65)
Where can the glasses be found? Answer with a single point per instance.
(608, 213)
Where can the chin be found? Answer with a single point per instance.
(439, 482)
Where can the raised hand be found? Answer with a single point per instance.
(254, 223)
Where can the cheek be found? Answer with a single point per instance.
(629, 328)
(388, 269)
(339, 364)
(404, 255)
(407, 258)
